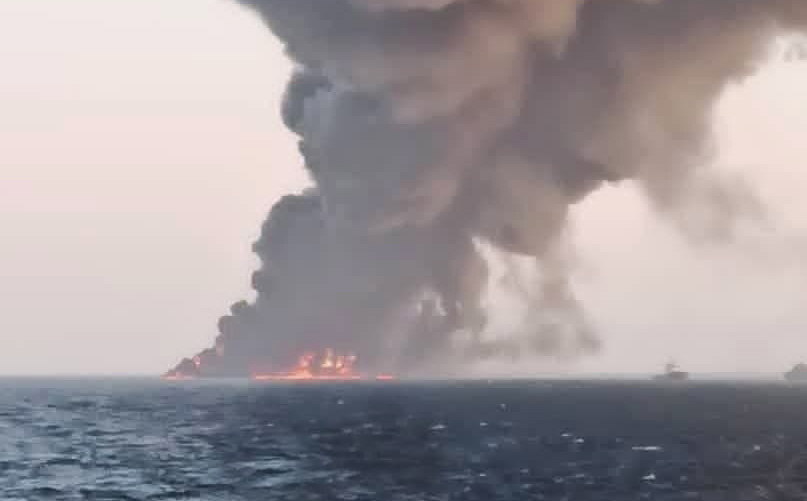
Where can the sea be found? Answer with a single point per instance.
(552, 440)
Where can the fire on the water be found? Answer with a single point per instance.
(328, 366)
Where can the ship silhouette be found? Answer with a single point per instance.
(672, 373)
(797, 374)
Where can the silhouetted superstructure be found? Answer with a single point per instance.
(797, 373)
(672, 373)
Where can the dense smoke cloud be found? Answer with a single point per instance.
(433, 127)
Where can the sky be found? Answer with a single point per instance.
(141, 148)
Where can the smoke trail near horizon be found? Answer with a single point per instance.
(431, 127)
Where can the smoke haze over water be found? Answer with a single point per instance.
(444, 138)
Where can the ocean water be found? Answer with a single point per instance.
(486, 441)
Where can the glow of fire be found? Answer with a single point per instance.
(329, 367)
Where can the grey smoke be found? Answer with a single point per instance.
(430, 127)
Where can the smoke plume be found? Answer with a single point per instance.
(432, 128)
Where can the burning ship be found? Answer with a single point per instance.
(420, 161)
(236, 356)
(672, 373)
(310, 366)
(328, 366)
(797, 374)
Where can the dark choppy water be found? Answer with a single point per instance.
(148, 440)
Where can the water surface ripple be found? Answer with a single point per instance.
(146, 440)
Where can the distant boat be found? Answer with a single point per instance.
(672, 373)
(797, 373)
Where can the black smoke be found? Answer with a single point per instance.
(434, 128)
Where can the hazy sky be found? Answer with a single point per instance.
(140, 149)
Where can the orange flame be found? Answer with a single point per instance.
(330, 366)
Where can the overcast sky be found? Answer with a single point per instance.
(140, 149)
